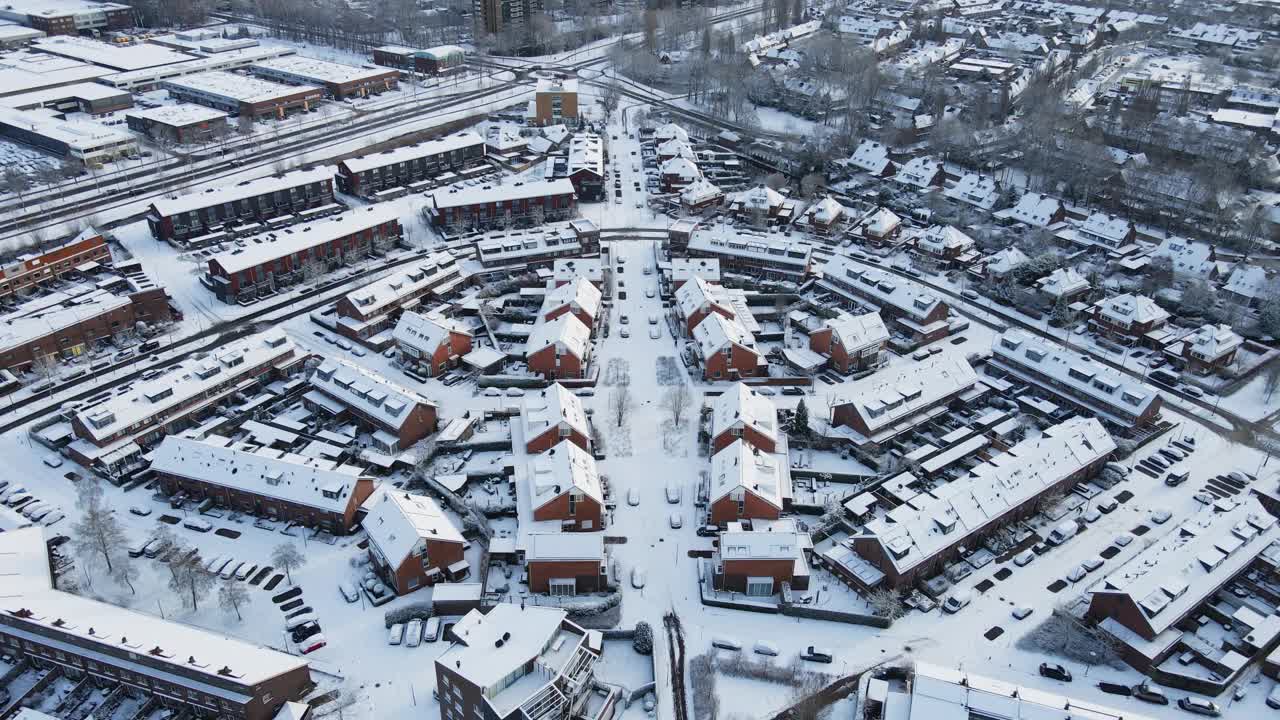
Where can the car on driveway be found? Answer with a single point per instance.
(1054, 671)
(1161, 517)
(1024, 558)
(140, 511)
(1200, 706)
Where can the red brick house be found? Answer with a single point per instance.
(552, 416)
(366, 313)
(412, 542)
(758, 561)
(579, 297)
(53, 262)
(563, 484)
(852, 343)
(566, 564)
(727, 350)
(744, 414)
(881, 227)
(429, 346)
(395, 416)
(560, 348)
(1129, 319)
(697, 298)
(747, 484)
(1211, 348)
(274, 484)
(900, 397)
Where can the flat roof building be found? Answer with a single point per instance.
(123, 58)
(90, 143)
(180, 124)
(242, 95)
(26, 71)
(90, 98)
(338, 80)
(68, 17)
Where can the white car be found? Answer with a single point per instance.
(637, 578)
(1077, 574)
(653, 319)
(1024, 558)
(625, 333)
(230, 570)
(633, 496)
(396, 634)
(648, 292)
(1022, 611)
(1161, 517)
(655, 332)
(673, 492)
(348, 591)
(245, 571)
(676, 521)
(1123, 540)
(413, 633)
(52, 460)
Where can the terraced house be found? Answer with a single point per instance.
(369, 174)
(182, 217)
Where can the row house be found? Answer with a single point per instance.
(683, 270)
(1131, 320)
(907, 308)
(564, 486)
(697, 298)
(560, 348)
(899, 398)
(192, 671)
(270, 262)
(1077, 381)
(502, 253)
(490, 206)
(727, 350)
(903, 548)
(367, 175)
(758, 562)
(394, 416)
(566, 564)
(744, 414)
(851, 343)
(111, 436)
(579, 298)
(429, 345)
(54, 261)
(700, 195)
(677, 174)
(552, 416)
(366, 314)
(180, 218)
(747, 484)
(264, 482)
(764, 256)
(412, 542)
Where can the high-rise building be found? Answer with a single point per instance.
(494, 16)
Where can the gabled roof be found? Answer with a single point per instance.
(550, 407)
(919, 172)
(741, 467)
(1247, 281)
(1035, 210)
(681, 167)
(871, 157)
(422, 332)
(717, 332)
(1006, 261)
(699, 191)
(858, 331)
(974, 189)
(1130, 308)
(902, 390)
(579, 292)
(397, 521)
(371, 393)
(697, 294)
(566, 330)
(560, 469)
(1106, 226)
(743, 407)
(1063, 281)
(671, 131)
(676, 148)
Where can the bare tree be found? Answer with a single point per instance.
(677, 401)
(189, 579)
(98, 535)
(886, 603)
(16, 182)
(619, 404)
(45, 367)
(232, 596)
(126, 572)
(287, 557)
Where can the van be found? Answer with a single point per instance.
(1063, 532)
(432, 631)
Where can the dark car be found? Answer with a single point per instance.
(792, 391)
(709, 531)
(1200, 707)
(813, 654)
(1055, 672)
(1146, 693)
(304, 631)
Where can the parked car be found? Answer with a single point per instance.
(1200, 706)
(709, 531)
(1148, 693)
(676, 521)
(1123, 540)
(1273, 699)
(348, 591)
(396, 634)
(197, 524)
(1024, 558)
(431, 631)
(1092, 564)
(312, 644)
(1021, 612)
(1160, 517)
(765, 648)
(230, 570)
(246, 571)
(1077, 573)
(726, 643)
(139, 510)
(52, 460)
(413, 633)
(633, 496)
(816, 654)
(638, 578)
(957, 601)
(1108, 505)
(673, 492)
(302, 632)
(1174, 479)
(1055, 672)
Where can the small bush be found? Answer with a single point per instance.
(413, 611)
(643, 640)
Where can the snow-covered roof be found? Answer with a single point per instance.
(717, 332)
(306, 481)
(221, 194)
(1106, 227)
(550, 408)
(1034, 209)
(1130, 308)
(1188, 257)
(234, 86)
(177, 115)
(911, 298)
(1088, 382)
(268, 246)
(880, 222)
(461, 196)
(372, 394)
(586, 154)
(947, 514)
(671, 131)
(137, 56)
(774, 543)
(858, 331)
(399, 523)
(580, 293)
(978, 190)
(1173, 576)
(422, 332)
(53, 313)
(563, 468)
(24, 71)
(1213, 341)
(681, 167)
(902, 390)
(676, 147)
(742, 407)
(773, 249)
(219, 659)
(686, 269)
(194, 377)
(566, 331)
(409, 282)
(1247, 281)
(313, 70)
(698, 294)
(563, 546)
(919, 172)
(870, 156)
(513, 246)
(443, 52)
(1063, 281)
(1006, 261)
(941, 238)
(78, 135)
(825, 211)
(426, 148)
(740, 467)
(699, 191)
(557, 85)
(760, 197)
